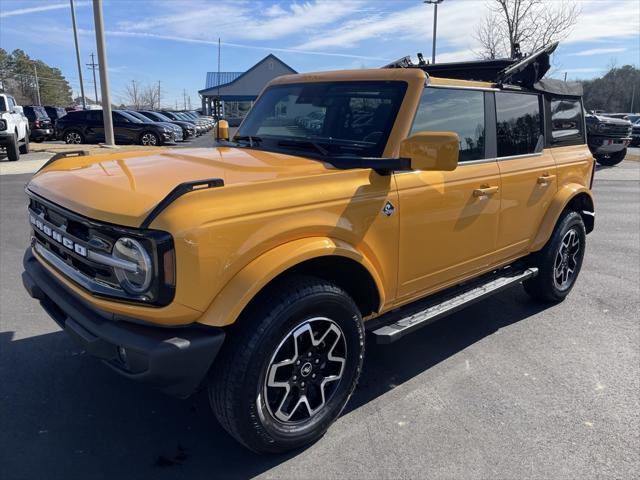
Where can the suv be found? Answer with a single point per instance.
(254, 269)
(87, 126)
(14, 128)
(40, 124)
(608, 138)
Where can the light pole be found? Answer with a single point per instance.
(75, 38)
(104, 73)
(435, 25)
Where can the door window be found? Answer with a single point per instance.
(566, 120)
(454, 110)
(518, 126)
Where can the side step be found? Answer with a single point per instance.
(463, 297)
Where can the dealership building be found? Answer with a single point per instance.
(236, 91)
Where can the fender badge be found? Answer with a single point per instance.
(388, 209)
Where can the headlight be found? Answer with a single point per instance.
(167, 129)
(3, 125)
(134, 280)
(602, 127)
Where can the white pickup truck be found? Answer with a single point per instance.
(14, 128)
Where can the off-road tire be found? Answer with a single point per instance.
(13, 153)
(611, 159)
(545, 287)
(238, 378)
(24, 148)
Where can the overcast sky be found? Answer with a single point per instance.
(175, 41)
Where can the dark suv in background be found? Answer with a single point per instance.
(608, 138)
(87, 126)
(40, 124)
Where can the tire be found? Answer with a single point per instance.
(13, 153)
(38, 140)
(258, 382)
(560, 261)
(611, 159)
(24, 148)
(73, 137)
(149, 139)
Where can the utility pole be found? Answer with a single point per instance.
(184, 99)
(435, 25)
(75, 38)
(189, 102)
(93, 66)
(176, 104)
(104, 73)
(35, 69)
(633, 97)
(565, 76)
(158, 95)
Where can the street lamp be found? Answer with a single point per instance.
(435, 22)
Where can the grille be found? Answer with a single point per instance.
(617, 130)
(81, 233)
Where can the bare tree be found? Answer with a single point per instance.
(150, 97)
(515, 26)
(132, 95)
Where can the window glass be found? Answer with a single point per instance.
(519, 123)
(454, 110)
(344, 117)
(566, 120)
(94, 115)
(3, 106)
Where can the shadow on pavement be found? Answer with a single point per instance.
(63, 414)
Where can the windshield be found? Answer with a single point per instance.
(129, 117)
(140, 117)
(348, 118)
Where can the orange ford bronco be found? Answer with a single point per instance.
(351, 201)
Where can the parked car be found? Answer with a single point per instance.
(254, 270)
(188, 128)
(176, 129)
(174, 116)
(55, 113)
(40, 125)
(608, 138)
(14, 128)
(632, 117)
(209, 122)
(635, 134)
(87, 126)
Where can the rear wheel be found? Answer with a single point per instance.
(13, 153)
(149, 139)
(73, 137)
(289, 367)
(24, 148)
(560, 261)
(611, 159)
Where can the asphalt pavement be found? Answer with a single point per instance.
(505, 389)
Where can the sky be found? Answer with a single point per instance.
(175, 41)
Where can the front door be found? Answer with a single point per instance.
(449, 220)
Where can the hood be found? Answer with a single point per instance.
(612, 120)
(123, 188)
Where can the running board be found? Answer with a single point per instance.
(390, 332)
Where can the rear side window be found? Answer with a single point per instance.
(454, 110)
(77, 115)
(518, 129)
(566, 120)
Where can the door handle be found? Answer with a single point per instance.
(545, 180)
(485, 191)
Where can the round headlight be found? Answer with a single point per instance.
(136, 280)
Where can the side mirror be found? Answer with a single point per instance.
(18, 109)
(436, 151)
(222, 130)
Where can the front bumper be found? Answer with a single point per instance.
(6, 138)
(175, 360)
(604, 145)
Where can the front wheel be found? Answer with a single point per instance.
(149, 139)
(13, 152)
(24, 148)
(73, 137)
(289, 367)
(560, 261)
(611, 159)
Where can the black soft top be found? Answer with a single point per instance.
(558, 87)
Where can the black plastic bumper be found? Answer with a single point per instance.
(175, 360)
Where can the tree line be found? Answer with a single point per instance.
(18, 78)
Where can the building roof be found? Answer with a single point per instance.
(220, 78)
(226, 78)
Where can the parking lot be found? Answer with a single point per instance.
(504, 389)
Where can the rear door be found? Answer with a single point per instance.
(527, 170)
(93, 125)
(449, 220)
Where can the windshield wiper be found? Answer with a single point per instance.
(248, 138)
(305, 143)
